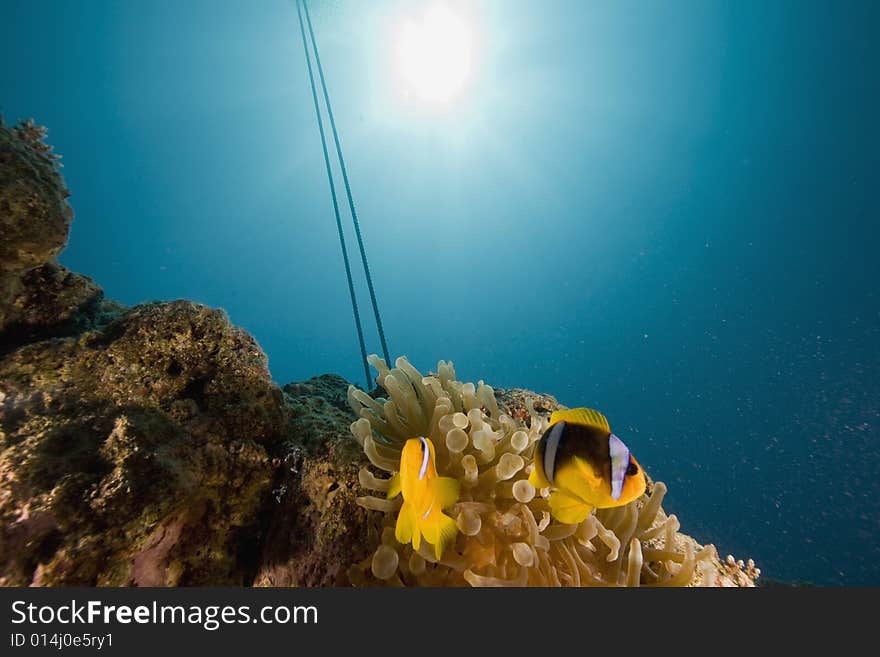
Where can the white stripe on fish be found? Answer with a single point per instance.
(619, 464)
(551, 448)
(424, 467)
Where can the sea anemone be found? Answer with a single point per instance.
(506, 534)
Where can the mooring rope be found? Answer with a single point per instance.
(357, 317)
(354, 217)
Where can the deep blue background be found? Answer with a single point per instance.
(665, 210)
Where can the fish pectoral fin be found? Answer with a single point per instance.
(440, 530)
(394, 487)
(567, 508)
(445, 491)
(583, 478)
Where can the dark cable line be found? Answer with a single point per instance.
(357, 317)
(354, 216)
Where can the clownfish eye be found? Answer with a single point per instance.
(633, 469)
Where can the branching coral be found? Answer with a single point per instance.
(33, 134)
(506, 535)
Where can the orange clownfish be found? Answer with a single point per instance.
(425, 495)
(585, 466)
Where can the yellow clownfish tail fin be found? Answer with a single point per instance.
(406, 530)
(445, 491)
(440, 530)
(448, 531)
(403, 530)
(394, 486)
(567, 508)
(583, 416)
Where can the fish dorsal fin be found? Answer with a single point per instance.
(583, 416)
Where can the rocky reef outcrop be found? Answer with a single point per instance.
(34, 214)
(39, 298)
(135, 444)
(316, 529)
(149, 446)
(138, 454)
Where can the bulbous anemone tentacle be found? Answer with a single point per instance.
(506, 535)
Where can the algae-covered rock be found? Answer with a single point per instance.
(141, 448)
(38, 297)
(137, 454)
(34, 214)
(516, 401)
(316, 529)
(52, 301)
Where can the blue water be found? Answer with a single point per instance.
(664, 210)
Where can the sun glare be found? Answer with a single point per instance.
(434, 55)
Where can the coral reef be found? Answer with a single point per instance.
(34, 214)
(134, 445)
(149, 446)
(316, 528)
(52, 301)
(137, 454)
(506, 535)
(38, 297)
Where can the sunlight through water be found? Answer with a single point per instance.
(434, 55)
